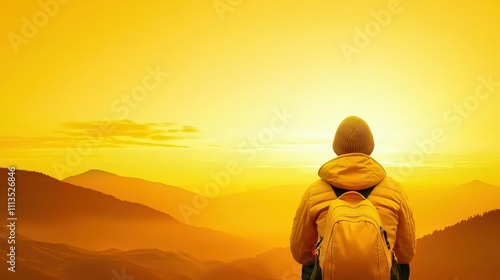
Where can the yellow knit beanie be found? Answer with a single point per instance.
(353, 136)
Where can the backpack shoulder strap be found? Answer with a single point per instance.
(365, 192)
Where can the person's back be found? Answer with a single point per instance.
(353, 170)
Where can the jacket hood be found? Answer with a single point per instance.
(353, 172)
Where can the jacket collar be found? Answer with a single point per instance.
(353, 171)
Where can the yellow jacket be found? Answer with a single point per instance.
(353, 171)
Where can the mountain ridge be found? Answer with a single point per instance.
(86, 218)
(162, 197)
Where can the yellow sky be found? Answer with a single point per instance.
(173, 90)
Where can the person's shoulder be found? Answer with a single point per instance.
(320, 190)
(319, 185)
(391, 182)
(390, 186)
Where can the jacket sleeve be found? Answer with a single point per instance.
(304, 233)
(406, 243)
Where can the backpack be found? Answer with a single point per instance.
(356, 245)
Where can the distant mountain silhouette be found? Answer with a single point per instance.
(58, 212)
(437, 208)
(468, 250)
(49, 261)
(270, 211)
(156, 195)
(224, 213)
(277, 264)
